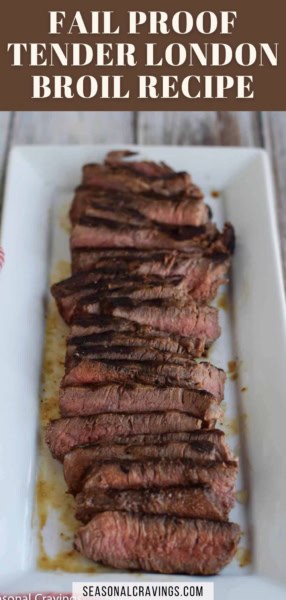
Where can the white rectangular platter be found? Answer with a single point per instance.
(39, 187)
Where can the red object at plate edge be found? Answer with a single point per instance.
(2, 257)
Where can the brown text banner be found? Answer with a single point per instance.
(199, 55)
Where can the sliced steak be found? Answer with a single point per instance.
(81, 401)
(136, 178)
(201, 446)
(147, 168)
(198, 502)
(139, 353)
(156, 262)
(93, 232)
(90, 324)
(158, 543)
(161, 473)
(92, 288)
(102, 177)
(147, 288)
(62, 435)
(101, 279)
(68, 292)
(130, 208)
(200, 376)
(108, 339)
(175, 317)
(203, 275)
(164, 438)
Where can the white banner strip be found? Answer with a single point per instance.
(151, 591)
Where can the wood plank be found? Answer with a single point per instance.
(72, 127)
(240, 129)
(5, 118)
(274, 134)
(195, 128)
(5, 122)
(177, 128)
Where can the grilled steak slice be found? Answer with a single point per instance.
(130, 208)
(203, 275)
(200, 376)
(201, 446)
(157, 543)
(161, 473)
(197, 502)
(178, 318)
(95, 232)
(114, 338)
(100, 279)
(84, 325)
(91, 287)
(76, 401)
(135, 177)
(139, 353)
(102, 177)
(148, 168)
(146, 262)
(62, 435)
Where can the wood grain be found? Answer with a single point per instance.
(5, 123)
(72, 127)
(178, 128)
(199, 128)
(240, 129)
(274, 137)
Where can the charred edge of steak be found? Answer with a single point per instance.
(125, 474)
(84, 324)
(112, 256)
(62, 435)
(103, 280)
(117, 398)
(183, 232)
(120, 351)
(196, 502)
(109, 338)
(79, 462)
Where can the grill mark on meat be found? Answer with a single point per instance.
(62, 435)
(99, 279)
(76, 401)
(135, 177)
(120, 352)
(161, 473)
(201, 376)
(214, 435)
(175, 233)
(101, 235)
(159, 544)
(202, 275)
(89, 324)
(111, 338)
(135, 208)
(93, 289)
(176, 317)
(201, 446)
(182, 212)
(197, 502)
(149, 169)
(108, 257)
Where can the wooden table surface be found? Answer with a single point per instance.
(267, 130)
